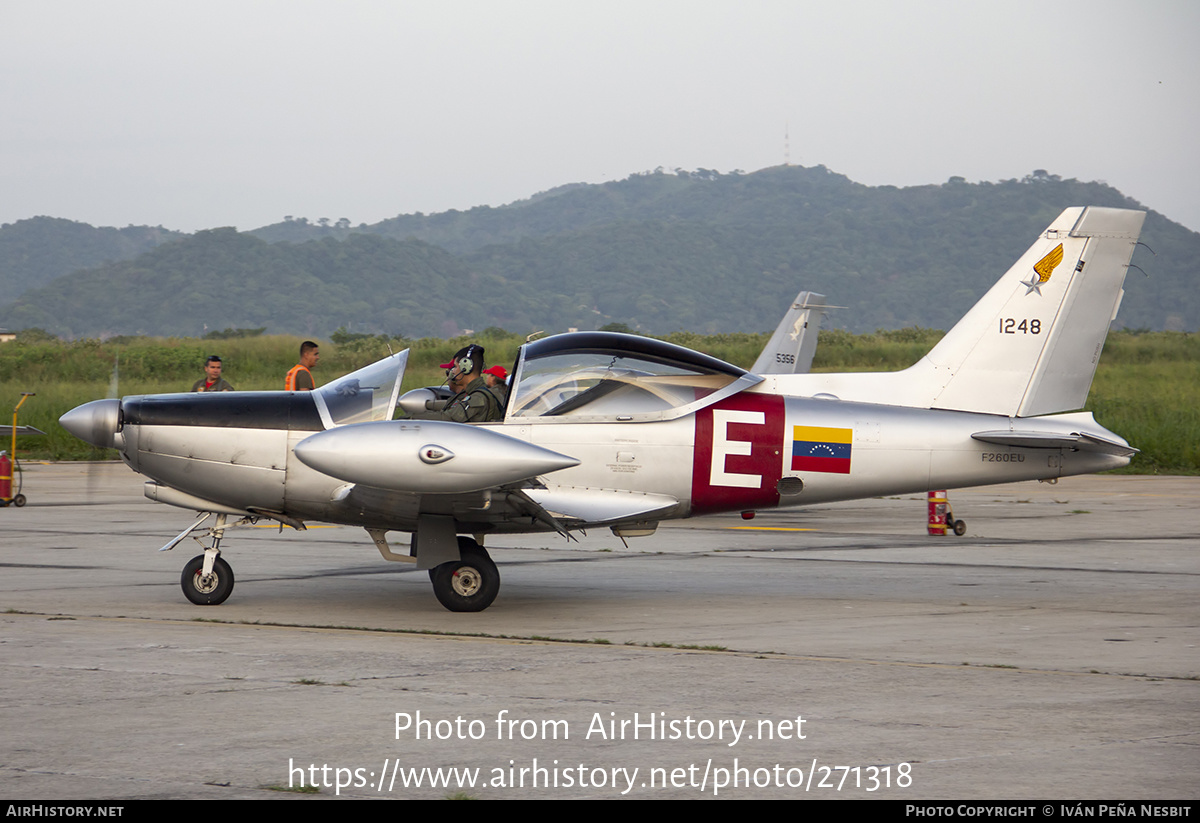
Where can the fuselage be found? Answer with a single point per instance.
(750, 451)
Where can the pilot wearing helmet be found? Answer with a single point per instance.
(473, 401)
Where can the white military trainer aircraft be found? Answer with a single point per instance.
(619, 431)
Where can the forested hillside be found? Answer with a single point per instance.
(35, 251)
(221, 279)
(660, 252)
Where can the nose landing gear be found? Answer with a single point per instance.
(207, 579)
(209, 588)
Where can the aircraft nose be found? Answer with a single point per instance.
(94, 422)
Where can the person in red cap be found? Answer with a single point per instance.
(473, 401)
(497, 382)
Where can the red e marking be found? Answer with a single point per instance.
(738, 460)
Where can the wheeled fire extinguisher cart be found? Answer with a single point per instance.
(941, 516)
(11, 478)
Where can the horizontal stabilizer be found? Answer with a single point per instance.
(1049, 440)
(599, 505)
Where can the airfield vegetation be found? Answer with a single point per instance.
(1147, 385)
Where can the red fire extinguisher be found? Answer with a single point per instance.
(938, 504)
(6, 477)
(941, 515)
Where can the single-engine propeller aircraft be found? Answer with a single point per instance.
(617, 431)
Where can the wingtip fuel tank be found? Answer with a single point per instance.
(428, 456)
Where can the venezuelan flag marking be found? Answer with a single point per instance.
(821, 449)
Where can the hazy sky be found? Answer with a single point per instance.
(212, 113)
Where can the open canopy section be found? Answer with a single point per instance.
(363, 396)
(604, 376)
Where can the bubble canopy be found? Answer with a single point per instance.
(605, 376)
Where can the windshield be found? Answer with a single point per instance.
(363, 396)
(599, 375)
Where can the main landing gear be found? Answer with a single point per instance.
(469, 584)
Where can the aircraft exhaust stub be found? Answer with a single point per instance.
(430, 456)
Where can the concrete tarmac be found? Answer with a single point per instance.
(831, 652)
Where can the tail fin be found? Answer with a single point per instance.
(1031, 344)
(790, 350)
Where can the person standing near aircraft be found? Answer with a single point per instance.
(473, 401)
(300, 377)
(212, 379)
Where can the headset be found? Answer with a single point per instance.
(464, 364)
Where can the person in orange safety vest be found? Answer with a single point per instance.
(300, 377)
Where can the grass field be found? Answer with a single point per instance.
(1147, 385)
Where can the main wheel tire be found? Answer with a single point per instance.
(469, 584)
(206, 591)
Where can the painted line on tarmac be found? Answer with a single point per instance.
(769, 529)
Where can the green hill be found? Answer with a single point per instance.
(221, 279)
(35, 251)
(661, 252)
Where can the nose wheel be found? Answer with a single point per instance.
(207, 579)
(469, 584)
(209, 589)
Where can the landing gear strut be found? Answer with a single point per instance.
(469, 584)
(207, 579)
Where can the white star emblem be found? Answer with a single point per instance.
(1033, 284)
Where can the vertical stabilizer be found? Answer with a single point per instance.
(790, 349)
(1031, 345)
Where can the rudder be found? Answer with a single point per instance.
(1031, 344)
